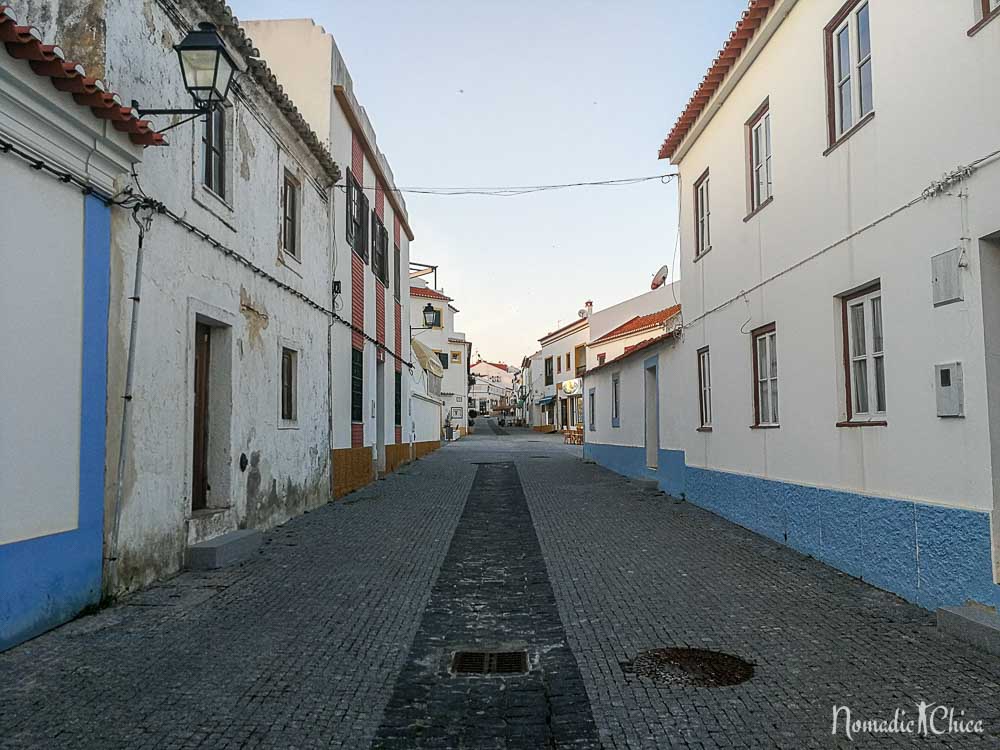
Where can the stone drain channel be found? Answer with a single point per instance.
(492, 595)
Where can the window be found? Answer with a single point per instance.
(765, 376)
(592, 409)
(601, 357)
(357, 217)
(380, 250)
(849, 65)
(213, 151)
(865, 355)
(357, 385)
(581, 360)
(988, 10)
(616, 400)
(289, 374)
(559, 364)
(399, 398)
(443, 356)
(456, 358)
(760, 157)
(396, 257)
(436, 319)
(567, 362)
(290, 216)
(549, 378)
(705, 388)
(702, 212)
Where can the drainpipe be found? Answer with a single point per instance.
(127, 398)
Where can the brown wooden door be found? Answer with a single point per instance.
(199, 474)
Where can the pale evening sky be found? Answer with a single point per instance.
(468, 93)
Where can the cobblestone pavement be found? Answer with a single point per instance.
(306, 645)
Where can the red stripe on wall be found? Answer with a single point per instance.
(399, 435)
(399, 336)
(357, 435)
(357, 159)
(357, 299)
(379, 312)
(379, 201)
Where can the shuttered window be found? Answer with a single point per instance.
(357, 385)
(399, 398)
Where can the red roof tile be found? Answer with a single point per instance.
(748, 24)
(49, 61)
(498, 365)
(639, 323)
(423, 291)
(630, 350)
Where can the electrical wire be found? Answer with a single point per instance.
(516, 190)
(144, 209)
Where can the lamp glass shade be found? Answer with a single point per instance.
(206, 65)
(430, 316)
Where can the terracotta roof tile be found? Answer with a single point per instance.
(422, 291)
(49, 61)
(738, 40)
(630, 350)
(639, 323)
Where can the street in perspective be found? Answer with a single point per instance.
(279, 474)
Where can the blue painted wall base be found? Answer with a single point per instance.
(931, 555)
(48, 580)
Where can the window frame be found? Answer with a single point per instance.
(357, 217)
(702, 219)
(290, 356)
(559, 365)
(986, 14)
(847, 19)
(214, 135)
(616, 399)
(768, 336)
(398, 406)
(456, 357)
(438, 317)
(580, 361)
(442, 358)
(862, 297)
(760, 121)
(291, 184)
(549, 372)
(592, 409)
(357, 386)
(704, 389)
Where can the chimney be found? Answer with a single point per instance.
(590, 307)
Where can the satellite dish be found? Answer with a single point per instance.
(660, 278)
(581, 313)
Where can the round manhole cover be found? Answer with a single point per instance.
(697, 667)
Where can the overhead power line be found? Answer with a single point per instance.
(507, 191)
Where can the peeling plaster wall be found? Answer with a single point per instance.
(185, 280)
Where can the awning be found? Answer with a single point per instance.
(427, 358)
(545, 400)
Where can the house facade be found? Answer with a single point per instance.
(448, 345)
(563, 357)
(372, 236)
(60, 164)
(835, 385)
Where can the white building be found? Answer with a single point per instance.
(372, 259)
(614, 329)
(835, 386)
(54, 296)
(563, 358)
(492, 389)
(449, 345)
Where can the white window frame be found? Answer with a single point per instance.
(851, 75)
(761, 187)
(703, 214)
(866, 357)
(296, 351)
(592, 408)
(765, 347)
(705, 387)
(616, 391)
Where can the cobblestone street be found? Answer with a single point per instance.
(339, 632)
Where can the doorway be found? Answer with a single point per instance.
(652, 406)
(199, 468)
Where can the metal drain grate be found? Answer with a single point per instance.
(490, 662)
(690, 666)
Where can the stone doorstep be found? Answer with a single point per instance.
(225, 550)
(977, 626)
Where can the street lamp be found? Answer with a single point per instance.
(430, 318)
(207, 69)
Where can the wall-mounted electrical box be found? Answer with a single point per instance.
(950, 389)
(946, 277)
